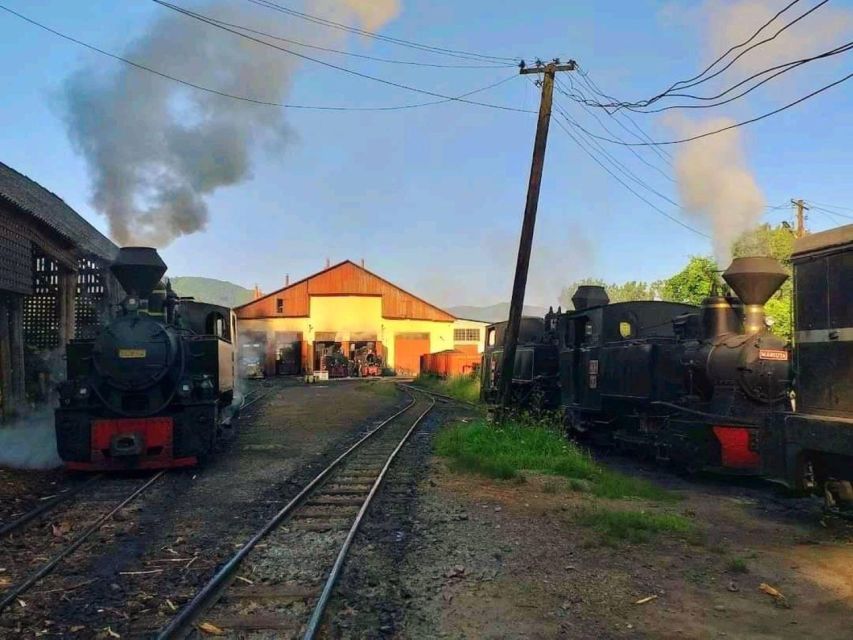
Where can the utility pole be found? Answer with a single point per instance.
(800, 229)
(519, 284)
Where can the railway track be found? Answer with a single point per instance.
(46, 505)
(292, 573)
(25, 583)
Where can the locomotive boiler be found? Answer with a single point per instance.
(154, 389)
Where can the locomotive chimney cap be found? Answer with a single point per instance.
(138, 270)
(589, 295)
(755, 279)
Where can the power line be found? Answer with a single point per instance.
(831, 206)
(733, 48)
(733, 126)
(643, 135)
(370, 34)
(785, 68)
(359, 55)
(359, 74)
(628, 187)
(619, 164)
(830, 211)
(649, 101)
(232, 96)
(561, 88)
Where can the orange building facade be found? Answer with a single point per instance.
(346, 310)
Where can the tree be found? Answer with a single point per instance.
(777, 242)
(625, 292)
(692, 284)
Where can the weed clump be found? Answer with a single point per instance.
(464, 387)
(632, 526)
(503, 451)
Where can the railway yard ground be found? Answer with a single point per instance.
(448, 549)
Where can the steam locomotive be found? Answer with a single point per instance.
(708, 386)
(155, 388)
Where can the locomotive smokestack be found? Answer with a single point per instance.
(138, 270)
(588, 295)
(754, 280)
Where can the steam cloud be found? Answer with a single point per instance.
(733, 22)
(156, 149)
(715, 184)
(29, 443)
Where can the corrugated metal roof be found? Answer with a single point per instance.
(49, 208)
(824, 240)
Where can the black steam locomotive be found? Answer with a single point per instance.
(155, 388)
(706, 387)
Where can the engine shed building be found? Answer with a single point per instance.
(54, 286)
(343, 309)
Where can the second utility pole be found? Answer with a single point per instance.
(526, 243)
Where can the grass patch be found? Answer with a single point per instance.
(465, 388)
(737, 565)
(632, 526)
(504, 451)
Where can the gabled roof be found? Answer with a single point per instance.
(47, 207)
(293, 285)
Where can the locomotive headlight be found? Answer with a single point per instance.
(185, 388)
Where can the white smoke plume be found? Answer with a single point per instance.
(29, 443)
(157, 149)
(714, 183)
(731, 23)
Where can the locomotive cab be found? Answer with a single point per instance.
(811, 446)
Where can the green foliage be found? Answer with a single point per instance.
(504, 451)
(211, 291)
(737, 565)
(765, 240)
(777, 242)
(693, 283)
(632, 526)
(625, 292)
(465, 387)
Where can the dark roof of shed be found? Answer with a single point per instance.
(824, 240)
(50, 209)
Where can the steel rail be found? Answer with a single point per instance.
(320, 606)
(17, 590)
(179, 626)
(45, 507)
(440, 395)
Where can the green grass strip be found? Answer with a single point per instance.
(504, 451)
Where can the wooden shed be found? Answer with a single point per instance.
(54, 286)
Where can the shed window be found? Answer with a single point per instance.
(279, 305)
(466, 335)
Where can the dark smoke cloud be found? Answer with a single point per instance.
(156, 149)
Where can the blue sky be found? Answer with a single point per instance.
(432, 198)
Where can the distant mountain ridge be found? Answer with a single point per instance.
(493, 313)
(211, 290)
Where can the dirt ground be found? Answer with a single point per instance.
(495, 559)
(449, 555)
(149, 561)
